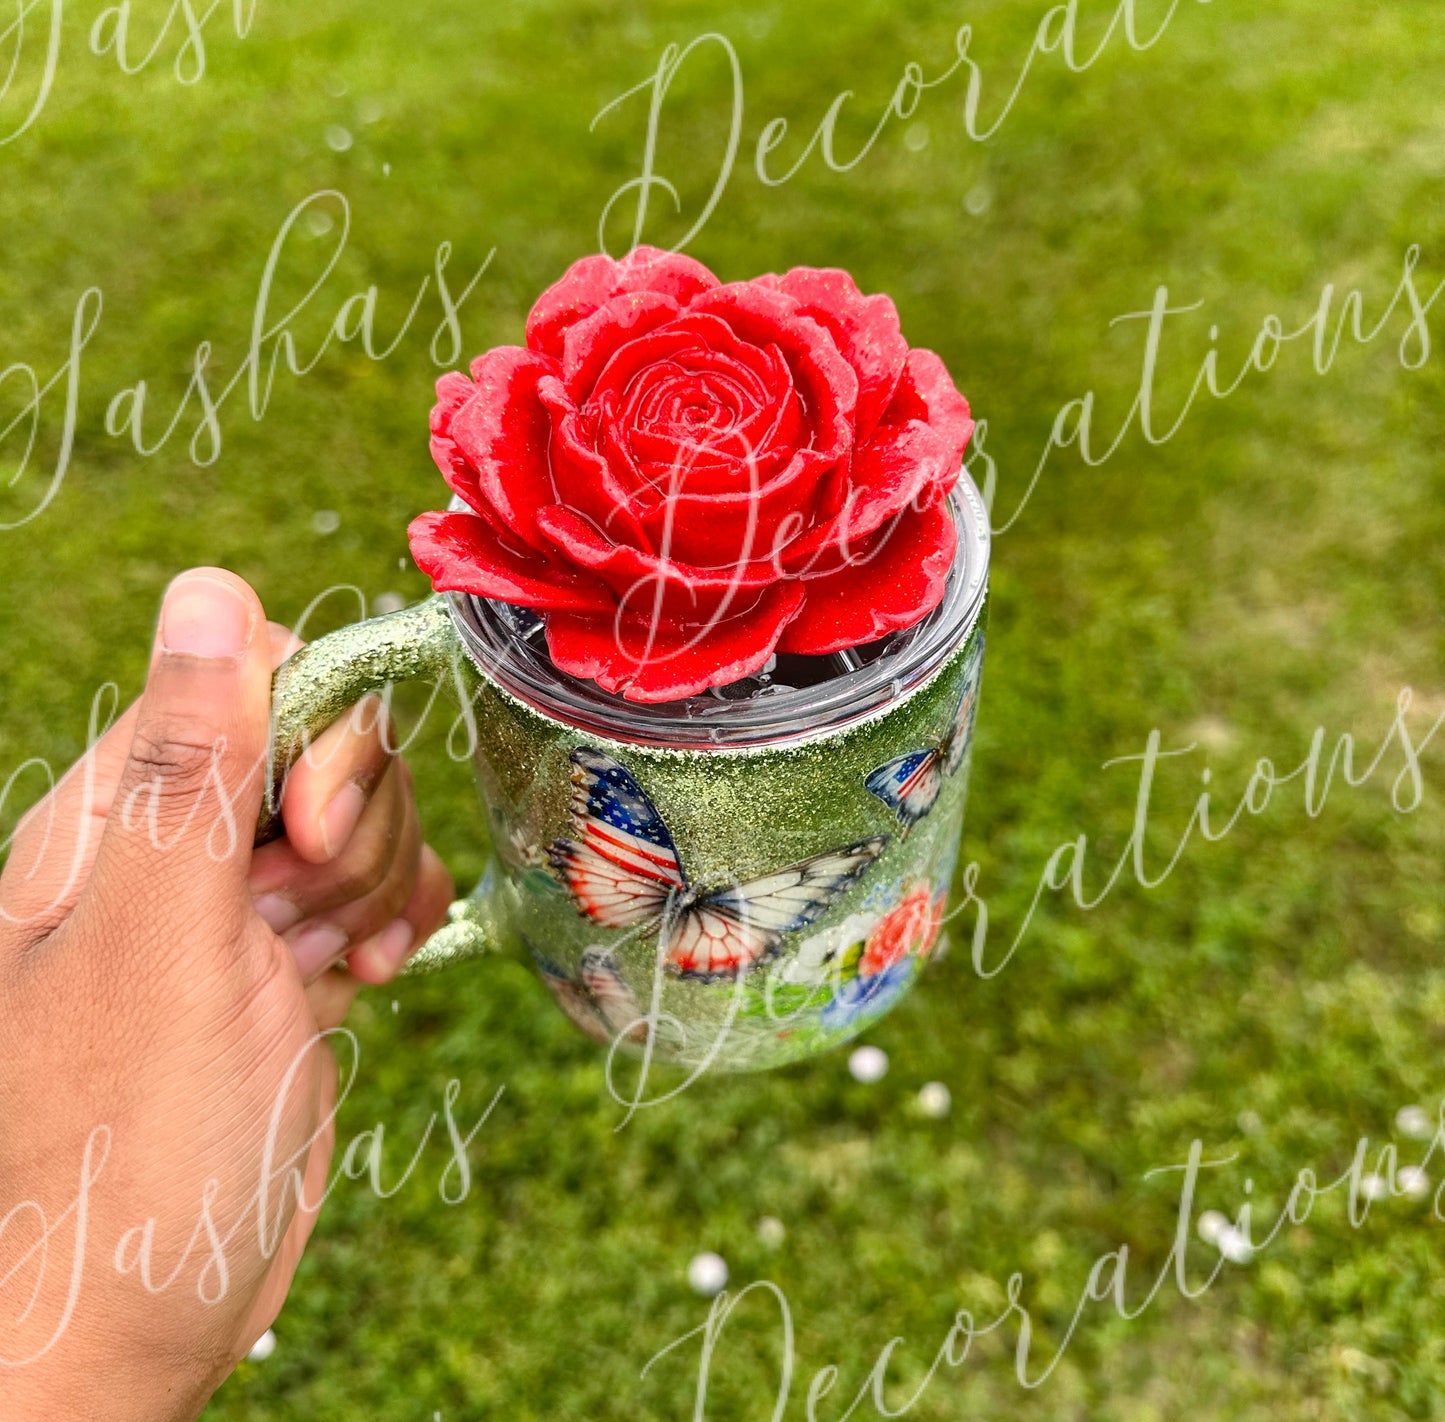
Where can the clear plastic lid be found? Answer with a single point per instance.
(793, 698)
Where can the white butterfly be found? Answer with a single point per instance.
(623, 871)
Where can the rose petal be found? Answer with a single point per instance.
(453, 391)
(901, 463)
(790, 456)
(646, 585)
(461, 552)
(584, 480)
(763, 420)
(716, 528)
(588, 283)
(864, 328)
(492, 446)
(699, 356)
(688, 332)
(895, 579)
(590, 343)
(675, 662)
(721, 530)
(927, 392)
(763, 316)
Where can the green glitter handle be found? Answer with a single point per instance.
(325, 679)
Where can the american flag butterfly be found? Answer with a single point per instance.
(910, 783)
(598, 1000)
(623, 871)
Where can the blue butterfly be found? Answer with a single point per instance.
(623, 871)
(910, 783)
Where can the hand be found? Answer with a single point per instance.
(161, 1038)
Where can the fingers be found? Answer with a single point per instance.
(328, 789)
(322, 941)
(282, 642)
(380, 958)
(179, 774)
(330, 998)
(177, 841)
(375, 962)
(289, 888)
(322, 909)
(364, 886)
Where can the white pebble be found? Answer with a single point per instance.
(868, 1064)
(977, 200)
(370, 110)
(325, 521)
(386, 602)
(1212, 1226)
(1249, 1123)
(263, 1347)
(1235, 1247)
(934, 1100)
(386, 170)
(915, 137)
(1413, 1181)
(707, 1274)
(395, 1007)
(1415, 1122)
(771, 1231)
(338, 139)
(1374, 1187)
(319, 222)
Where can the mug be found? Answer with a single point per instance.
(734, 881)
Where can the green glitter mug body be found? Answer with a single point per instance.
(731, 882)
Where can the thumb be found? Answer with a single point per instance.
(177, 843)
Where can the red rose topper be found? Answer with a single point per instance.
(684, 477)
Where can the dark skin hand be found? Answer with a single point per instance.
(164, 989)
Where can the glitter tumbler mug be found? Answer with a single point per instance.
(733, 881)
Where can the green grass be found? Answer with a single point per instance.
(1274, 567)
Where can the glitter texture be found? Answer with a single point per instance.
(734, 816)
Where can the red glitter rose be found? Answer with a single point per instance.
(684, 477)
(910, 927)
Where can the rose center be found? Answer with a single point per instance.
(694, 420)
(696, 409)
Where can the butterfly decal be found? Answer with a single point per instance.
(598, 1000)
(911, 783)
(623, 871)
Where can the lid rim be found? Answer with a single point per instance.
(786, 717)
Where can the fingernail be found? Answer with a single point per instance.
(204, 617)
(316, 947)
(394, 942)
(387, 951)
(280, 913)
(340, 818)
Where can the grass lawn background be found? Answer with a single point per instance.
(1274, 567)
